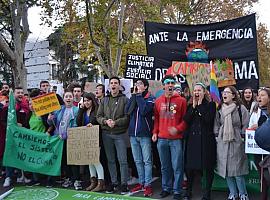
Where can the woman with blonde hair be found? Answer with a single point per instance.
(200, 118)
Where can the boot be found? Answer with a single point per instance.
(93, 184)
(100, 186)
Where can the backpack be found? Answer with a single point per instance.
(262, 135)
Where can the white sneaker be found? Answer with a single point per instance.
(232, 197)
(26, 180)
(23, 179)
(77, 185)
(7, 182)
(20, 179)
(243, 197)
(67, 183)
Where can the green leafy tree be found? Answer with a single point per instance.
(110, 29)
(14, 31)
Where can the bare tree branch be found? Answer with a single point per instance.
(90, 23)
(120, 37)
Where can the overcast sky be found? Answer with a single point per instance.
(40, 32)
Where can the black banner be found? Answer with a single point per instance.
(233, 40)
(140, 66)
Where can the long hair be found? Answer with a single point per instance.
(237, 100)
(245, 102)
(91, 96)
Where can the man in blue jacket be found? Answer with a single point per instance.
(140, 108)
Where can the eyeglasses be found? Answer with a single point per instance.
(138, 83)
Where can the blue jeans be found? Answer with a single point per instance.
(118, 141)
(235, 182)
(142, 154)
(171, 159)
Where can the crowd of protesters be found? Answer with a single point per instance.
(181, 132)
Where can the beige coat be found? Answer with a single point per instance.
(231, 157)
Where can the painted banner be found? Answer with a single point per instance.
(30, 150)
(139, 66)
(233, 40)
(83, 145)
(155, 88)
(200, 72)
(251, 146)
(45, 104)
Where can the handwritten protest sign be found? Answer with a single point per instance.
(45, 104)
(140, 66)
(30, 150)
(83, 145)
(251, 145)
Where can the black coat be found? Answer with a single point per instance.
(200, 139)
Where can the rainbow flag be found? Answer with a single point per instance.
(214, 93)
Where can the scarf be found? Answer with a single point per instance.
(228, 131)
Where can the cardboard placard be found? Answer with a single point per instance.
(83, 145)
(45, 104)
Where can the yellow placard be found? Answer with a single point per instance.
(83, 145)
(45, 104)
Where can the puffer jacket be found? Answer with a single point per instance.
(140, 109)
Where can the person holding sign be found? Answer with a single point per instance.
(87, 117)
(114, 123)
(62, 120)
(169, 125)
(200, 118)
(258, 117)
(231, 119)
(22, 110)
(140, 108)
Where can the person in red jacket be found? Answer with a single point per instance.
(169, 111)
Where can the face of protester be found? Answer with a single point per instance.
(263, 98)
(18, 94)
(99, 93)
(45, 87)
(198, 92)
(77, 92)
(248, 95)
(227, 96)
(68, 99)
(169, 87)
(114, 87)
(140, 86)
(5, 88)
(87, 103)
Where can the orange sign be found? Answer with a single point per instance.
(45, 104)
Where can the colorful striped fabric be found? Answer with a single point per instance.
(213, 85)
